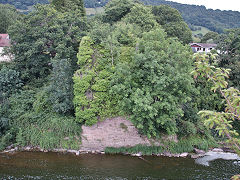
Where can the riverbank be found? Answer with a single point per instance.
(196, 154)
(119, 136)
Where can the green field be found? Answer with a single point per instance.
(203, 31)
(195, 34)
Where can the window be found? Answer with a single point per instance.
(203, 49)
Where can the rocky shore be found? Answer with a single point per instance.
(215, 153)
(118, 132)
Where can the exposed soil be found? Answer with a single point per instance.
(114, 132)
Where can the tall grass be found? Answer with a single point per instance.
(184, 145)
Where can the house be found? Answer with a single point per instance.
(4, 42)
(202, 47)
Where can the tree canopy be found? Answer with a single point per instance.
(172, 22)
(8, 16)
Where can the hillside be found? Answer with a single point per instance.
(214, 20)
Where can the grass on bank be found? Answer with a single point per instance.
(184, 145)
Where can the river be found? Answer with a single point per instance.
(36, 165)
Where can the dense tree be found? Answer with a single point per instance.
(172, 22)
(127, 64)
(61, 87)
(10, 82)
(8, 15)
(142, 16)
(194, 15)
(115, 10)
(222, 121)
(92, 84)
(69, 5)
(155, 84)
(23, 4)
(43, 35)
(209, 36)
(215, 20)
(229, 46)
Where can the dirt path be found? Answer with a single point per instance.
(115, 132)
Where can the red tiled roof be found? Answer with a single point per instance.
(4, 40)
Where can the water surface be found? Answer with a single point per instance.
(36, 165)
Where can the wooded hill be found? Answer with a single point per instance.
(215, 20)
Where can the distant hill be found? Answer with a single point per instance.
(23, 4)
(214, 20)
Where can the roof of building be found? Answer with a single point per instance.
(204, 45)
(4, 40)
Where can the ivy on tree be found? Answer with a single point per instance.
(92, 84)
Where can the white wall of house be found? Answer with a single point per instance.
(201, 50)
(4, 57)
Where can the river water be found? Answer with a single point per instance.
(36, 165)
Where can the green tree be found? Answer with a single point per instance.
(10, 83)
(8, 16)
(221, 121)
(229, 47)
(43, 35)
(209, 36)
(142, 16)
(69, 5)
(115, 10)
(155, 84)
(172, 22)
(61, 87)
(92, 99)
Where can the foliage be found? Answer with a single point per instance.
(124, 36)
(209, 36)
(61, 86)
(215, 20)
(221, 121)
(10, 82)
(42, 128)
(142, 16)
(33, 50)
(4, 121)
(229, 46)
(48, 131)
(20, 4)
(125, 65)
(7, 139)
(92, 83)
(8, 15)
(184, 145)
(115, 10)
(155, 84)
(172, 22)
(69, 5)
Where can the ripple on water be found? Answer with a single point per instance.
(34, 165)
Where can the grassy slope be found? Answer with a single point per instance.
(93, 11)
(203, 31)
